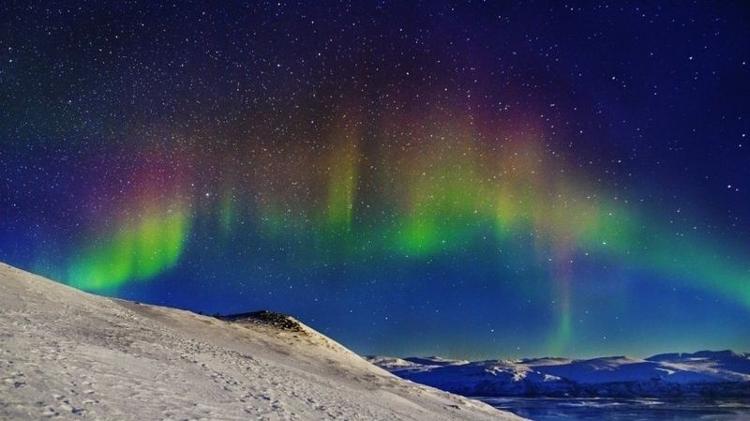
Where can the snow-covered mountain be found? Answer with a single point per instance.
(69, 354)
(711, 373)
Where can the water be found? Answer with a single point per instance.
(547, 409)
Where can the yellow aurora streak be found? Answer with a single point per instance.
(342, 183)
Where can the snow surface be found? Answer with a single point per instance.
(68, 354)
(711, 373)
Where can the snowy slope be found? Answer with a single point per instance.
(720, 373)
(68, 354)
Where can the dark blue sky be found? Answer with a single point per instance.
(456, 178)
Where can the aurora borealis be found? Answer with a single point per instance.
(461, 179)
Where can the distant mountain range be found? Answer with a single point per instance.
(704, 373)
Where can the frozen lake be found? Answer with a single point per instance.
(545, 409)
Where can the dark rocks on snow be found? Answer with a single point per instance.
(265, 317)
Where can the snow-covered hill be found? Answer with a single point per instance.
(721, 373)
(68, 354)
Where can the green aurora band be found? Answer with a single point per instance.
(445, 192)
(136, 250)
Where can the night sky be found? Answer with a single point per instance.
(462, 179)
